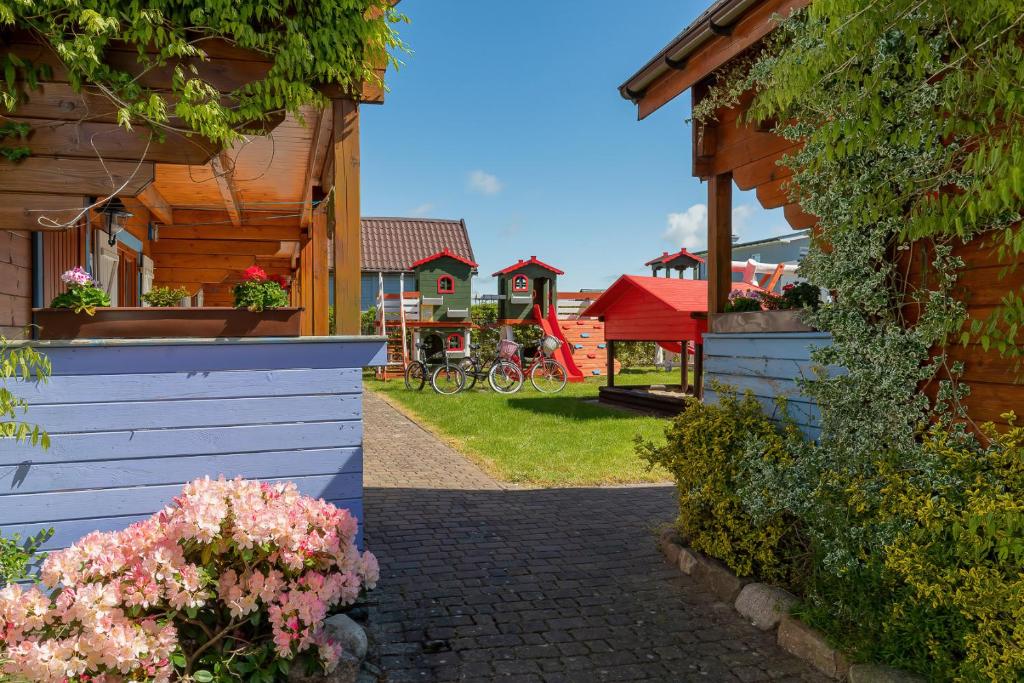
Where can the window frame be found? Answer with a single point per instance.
(450, 289)
(458, 336)
(526, 284)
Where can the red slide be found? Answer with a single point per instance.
(564, 353)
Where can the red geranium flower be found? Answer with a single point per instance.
(279, 279)
(254, 273)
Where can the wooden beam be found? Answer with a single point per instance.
(79, 177)
(315, 164)
(698, 370)
(22, 211)
(193, 275)
(321, 275)
(749, 29)
(719, 241)
(201, 246)
(109, 141)
(247, 232)
(229, 261)
(223, 171)
(347, 277)
(157, 205)
(798, 218)
(305, 282)
(610, 371)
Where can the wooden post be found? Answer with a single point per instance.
(346, 217)
(719, 241)
(698, 370)
(320, 277)
(611, 364)
(684, 368)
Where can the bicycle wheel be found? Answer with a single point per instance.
(471, 370)
(448, 379)
(415, 375)
(505, 377)
(549, 376)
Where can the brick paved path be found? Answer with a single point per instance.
(483, 583)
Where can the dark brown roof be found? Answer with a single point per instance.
(391, 244)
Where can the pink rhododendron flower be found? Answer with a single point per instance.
(222, 550)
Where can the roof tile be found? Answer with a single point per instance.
(391, 244)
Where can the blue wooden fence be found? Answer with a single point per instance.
(767, 364)
(131, 421)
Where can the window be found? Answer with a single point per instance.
(446, 284)
(520, 284)
(456, 342)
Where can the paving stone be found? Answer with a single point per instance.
(809, 645)
(764, 605)
(876, 673)
(541, 583)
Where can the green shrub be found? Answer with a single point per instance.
(165, 297)
(635, 354)
(257, 291)
(704, 451)
(18, 556)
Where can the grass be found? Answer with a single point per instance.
(565, 439)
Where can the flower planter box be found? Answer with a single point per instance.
(759, 321)
(153, 322)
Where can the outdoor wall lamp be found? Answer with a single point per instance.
(117, 217)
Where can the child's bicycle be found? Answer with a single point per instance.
(445, 377)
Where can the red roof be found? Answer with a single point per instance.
(640, 308)
(533, 261)
(441, 254)
(667, 257)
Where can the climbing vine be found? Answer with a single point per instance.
(308, 44)
(910, 119)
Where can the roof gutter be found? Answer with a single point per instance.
(717, 20)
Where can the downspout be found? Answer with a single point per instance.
(37, 270)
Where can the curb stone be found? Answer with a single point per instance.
(766, 607)
(809, 645)
(717, 578)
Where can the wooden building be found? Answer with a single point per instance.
(728, 152)
(525, 284)
(176, 409)
(444, 282)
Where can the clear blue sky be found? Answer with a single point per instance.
(508, 114)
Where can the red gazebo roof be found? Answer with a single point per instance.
(441, 254)
(533, 261)
(640, 308)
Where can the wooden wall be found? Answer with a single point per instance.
(752, 156)
(768, 365)
(15, 283)
(130, 422)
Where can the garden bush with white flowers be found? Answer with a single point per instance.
(231, 582)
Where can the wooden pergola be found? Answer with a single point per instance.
(202, 214)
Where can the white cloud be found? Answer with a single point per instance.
(422, 210)
(484, 183)
(689, 228)
(741, 216)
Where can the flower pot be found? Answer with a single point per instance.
(759, 321)
(150, 322)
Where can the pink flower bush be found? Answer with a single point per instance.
(233, 577)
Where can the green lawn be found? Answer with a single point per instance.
(564, 439)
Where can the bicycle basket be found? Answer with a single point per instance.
(508, 349)
(550, 344)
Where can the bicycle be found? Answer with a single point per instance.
(504, 379)
(446, 378)
(547, 375)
